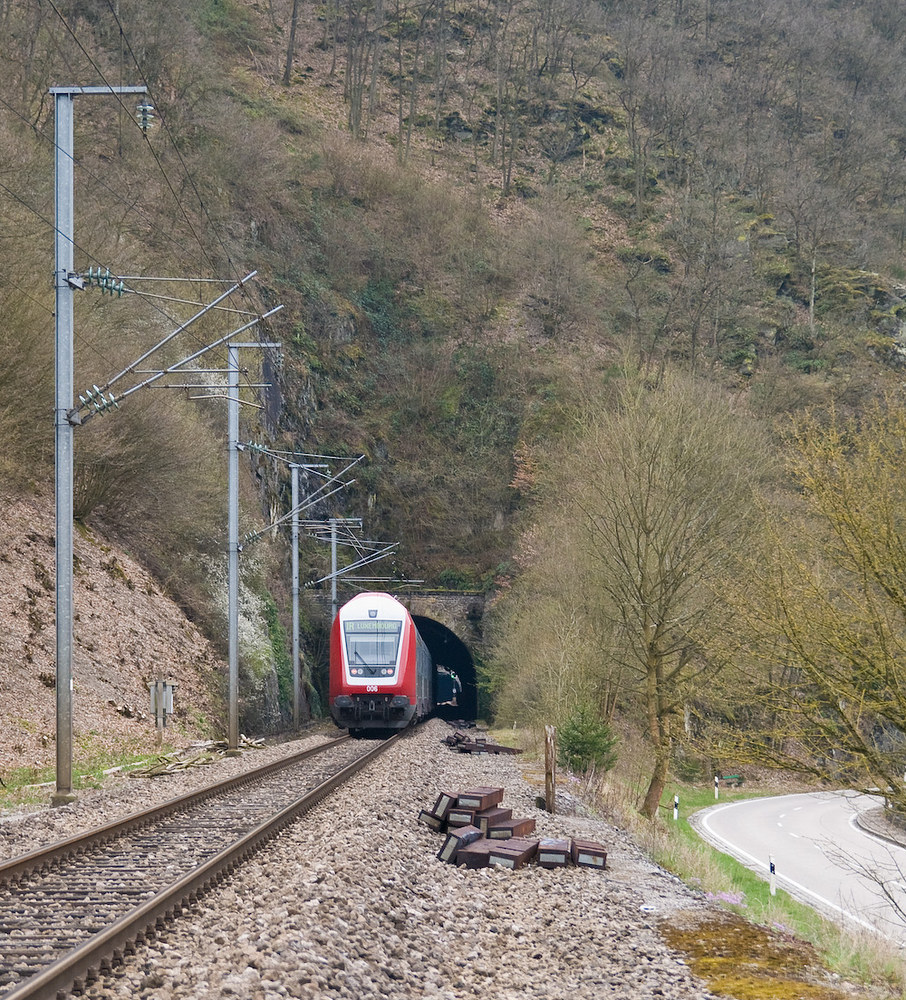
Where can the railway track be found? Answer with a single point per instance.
(71, 911)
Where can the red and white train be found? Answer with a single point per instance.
(382, 675)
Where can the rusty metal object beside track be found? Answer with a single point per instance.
(43, 886)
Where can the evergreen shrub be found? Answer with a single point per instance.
(585, 740)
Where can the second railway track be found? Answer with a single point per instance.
(70, 911)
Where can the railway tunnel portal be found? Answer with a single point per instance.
(451, 625)
(451, 654)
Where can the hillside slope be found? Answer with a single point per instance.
(127, 633)
(473, 214)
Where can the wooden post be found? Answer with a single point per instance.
(550, 769)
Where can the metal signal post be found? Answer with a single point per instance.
(233, 546)
(65, 417)
(294, 469)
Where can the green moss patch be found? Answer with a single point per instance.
(751, 962)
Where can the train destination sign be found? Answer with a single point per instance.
(371, 626)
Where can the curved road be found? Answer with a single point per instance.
(820, 855)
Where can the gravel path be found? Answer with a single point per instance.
(352, 901)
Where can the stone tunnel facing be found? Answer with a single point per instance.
(451, 653)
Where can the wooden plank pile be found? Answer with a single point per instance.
(480, 833)
(462, 743)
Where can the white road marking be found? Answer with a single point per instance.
(761, 866)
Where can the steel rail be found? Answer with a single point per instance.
(80, 842)
(98, 954)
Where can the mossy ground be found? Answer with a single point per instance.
(749, 962)
(762, 946)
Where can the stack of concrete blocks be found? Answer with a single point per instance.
(480, 832)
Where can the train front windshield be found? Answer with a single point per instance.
(372, 647)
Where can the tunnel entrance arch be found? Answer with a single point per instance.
(450, 652)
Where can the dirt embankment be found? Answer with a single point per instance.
(125, 634)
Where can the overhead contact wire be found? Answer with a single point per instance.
(164, 174)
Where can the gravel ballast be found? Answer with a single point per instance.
(28, 828)
(352, 902)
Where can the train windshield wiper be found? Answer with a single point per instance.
(372, 669)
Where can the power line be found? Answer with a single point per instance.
(25, 295)
(175, 147)
(47, 222)
(83, 340)
(113, 280)
(149, 297)
(201, 204)
(304, 454)
(160, 166)
(101, 181)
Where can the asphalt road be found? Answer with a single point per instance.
(820, 855)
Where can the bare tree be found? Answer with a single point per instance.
(826, 610)
(553, 650)
(555, 257)
(665, 500)
(291, 44)
(358, 52)
(819, 221)
(639, 59)
(879, 869)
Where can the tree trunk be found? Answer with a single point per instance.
(410, 125)
(291, 46)
(657, 785)
(811, 297)
(658, 721)
(377, 52)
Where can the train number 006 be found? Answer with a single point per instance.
(371, 688)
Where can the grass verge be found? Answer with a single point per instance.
(30, 786)
(748, 965)
(845, 951)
